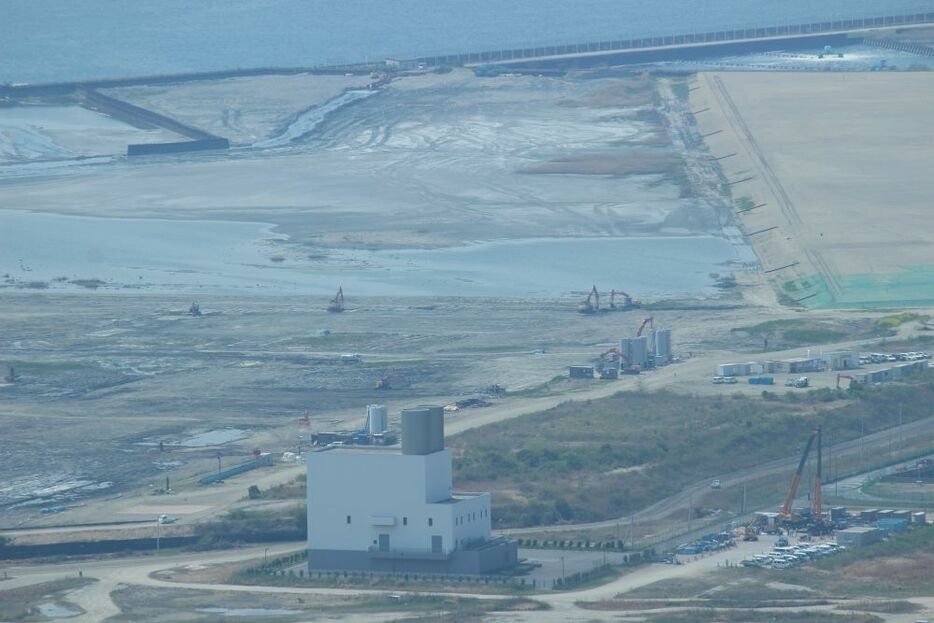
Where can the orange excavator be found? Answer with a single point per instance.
(592, 304)
(336, 304)
(786, 512)
(645, 323)
(628, 302)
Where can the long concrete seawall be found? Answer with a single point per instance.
(633, 50)
(685, 42)
(138, 116)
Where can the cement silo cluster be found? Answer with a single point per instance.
(645, 351)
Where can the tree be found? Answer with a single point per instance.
(254, 493)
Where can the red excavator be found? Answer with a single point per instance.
(646, 322)
(336, 304)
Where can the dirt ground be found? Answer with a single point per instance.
(431, 160)
(839, 164)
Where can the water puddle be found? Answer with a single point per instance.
(52, 610)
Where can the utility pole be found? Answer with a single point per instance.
(743, 510)
(632, 523)
(900, 444)
(862, 458)
(158, 531)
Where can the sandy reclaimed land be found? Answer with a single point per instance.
(243, 110)
(843, 163)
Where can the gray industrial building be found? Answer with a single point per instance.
(796, 365)
(840, 360)
(859, 536)
(380, 509)
(635, 351)
(894, 373)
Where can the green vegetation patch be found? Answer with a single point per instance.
(253, 526)
(787, 333)
(896, 320)
(599, 459)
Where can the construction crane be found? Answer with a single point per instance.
(592, 304)
(816, 502)
(796, 479)
(336, 305)
(844, 376)
(647, 321)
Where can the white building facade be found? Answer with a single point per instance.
(386, 509)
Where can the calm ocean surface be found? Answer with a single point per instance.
(57, 40)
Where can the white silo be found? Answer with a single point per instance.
(377, 419)
(634, 351)
(663, 346)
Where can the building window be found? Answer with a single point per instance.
(431, 522)
(405, 521)
(348, 519)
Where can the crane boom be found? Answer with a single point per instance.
(816, 501)
(645, 322)
(796, 479)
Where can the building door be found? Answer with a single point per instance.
(436, 544)
(384, 542)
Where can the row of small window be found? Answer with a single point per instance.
(470, 517)
(405, 521)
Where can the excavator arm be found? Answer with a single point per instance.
(647, 321)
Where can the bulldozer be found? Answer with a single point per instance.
(336, 305)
